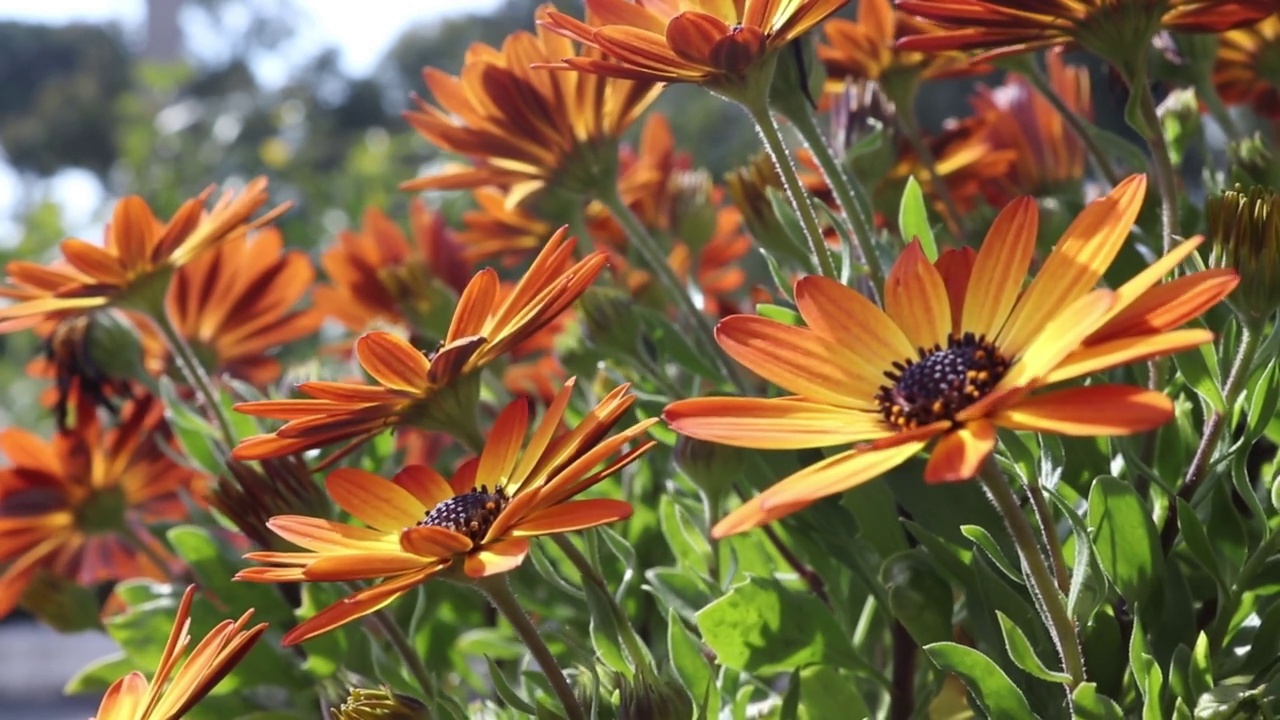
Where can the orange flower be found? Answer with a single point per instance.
(411, 387)
(479, 522)
(966, 159)
(1109, 28)
(1047, 154)
(135, 266)
(133, 698)
(378, 278)
(76, 506)
(525, 128)
(497, 228)
(719, 274)
(1247, 69)
(964, 348)
(864, 49)
(646, 173)
(695, 41)
(235, 304)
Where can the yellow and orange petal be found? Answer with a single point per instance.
(967, 160)
(524, 484)
(67, 505)
(1047, 154)
(523, 127)
(692, 41)
(964, 349)
(1111, 28)
(138, 252)
(174, 691)
(1247, 68)
(488, 322)
(239, 302)
(379, 277)
(863, 49)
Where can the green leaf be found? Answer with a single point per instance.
(983, 539)
(506, 692)
(1023, 655)
(873, 507)
(211, 566)
(683, 536)
(792, 243)
(675, 344)
(779, 313)
(1124, 537)
(919, 597)
(1199, 367)
(1088, 704)
(762, 626)
(678, 591)
(1197, 540)
(1146, 671)
(913, 219)
(1088, 588)
(830, 693)
(791, 700)
(991, 688)
(1263, 398)
(605, 632)
(98, 675)
(691, 666)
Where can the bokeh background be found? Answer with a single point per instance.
(103, 98)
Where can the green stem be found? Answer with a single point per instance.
(405, 650)
(1041, 83)
(849, 192)
(1215, 425)
(910, 128)
(135, 541)
(499, 593)
(652, 254)
(1161, 164)
(1208, 92)
(191, 368)
(1041, 581)
(630, 640)
(760, 113)
(1045, 521)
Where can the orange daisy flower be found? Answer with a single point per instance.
(692, 41)
(525, 128)
(75, 506)
(960, 349)
(864, 49)
(1248, 65)
(377, 277)
(500, 229)
(718, 272)
(966, 159)
(1047, 154)
(235, 304)
(1106, 27)
(135, 266)
(133, 698)
(411, 386)
(478, 522)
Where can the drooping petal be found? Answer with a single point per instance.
(393, 362)
(960, 453)
(497, 558)
(837, 474)
(431, 541)
(772, 424)
(356, 606)
(1125, 350)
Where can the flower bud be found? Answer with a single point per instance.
(380, 704)
(1251, 163)
(252, 496)
(710, 466)
(645, 698)
(693, 208)
(1179, 115)
(1244, 228)
(96, 354)
(610, 321)
(749, 188)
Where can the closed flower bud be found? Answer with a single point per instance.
(250, 496)
(710, 466)
(98, 354)
(749, 189)
(1244, 228)
(693, 208)
(380, 704)
(644, 698)
(610, 320)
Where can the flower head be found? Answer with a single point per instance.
(695, 41)
(1111, 28)
(1247, 69)
(238, 302)
(959, 349)
(379, 277)
(1245, 230)
(525, 128)
(430, 390)
(135, 265)
(967, 160)
(174, 691)
(73, 506)
(479, 522)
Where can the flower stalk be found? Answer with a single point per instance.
(194, 372)
(1041, 580)
(495, 587)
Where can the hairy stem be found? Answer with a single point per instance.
(405, 650)
(1161, 165)
(194, 372)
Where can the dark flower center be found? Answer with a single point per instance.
(941, 382)
(470, 514)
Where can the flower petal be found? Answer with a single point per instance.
(425, 484)
(570, 516)
(361, 566)
(393, 362)
(1168, 305)
(1058, 338)
(1096, 410)
(960, 453)
(374, 501)
(356, 606)
(497, 558)
(837, 474)
(1001, 267)
(916, 298)
(1125, 350)
(431, 541)
(772, 424)
(797, 359)
(848, 319)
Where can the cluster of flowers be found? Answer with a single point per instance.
(938, 351)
